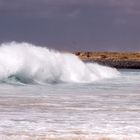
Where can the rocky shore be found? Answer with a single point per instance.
(113, 59)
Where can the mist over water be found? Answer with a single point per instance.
(28, 63)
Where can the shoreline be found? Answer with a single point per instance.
(70, 137)
(124, 60)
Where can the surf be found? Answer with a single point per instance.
(29, 63)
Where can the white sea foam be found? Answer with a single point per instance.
(34, 64)
(70, 137)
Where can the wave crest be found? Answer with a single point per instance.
(34, 64)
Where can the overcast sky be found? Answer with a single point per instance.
(88, 25)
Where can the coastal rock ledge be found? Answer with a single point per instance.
(126, 60)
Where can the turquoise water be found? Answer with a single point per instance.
(106, 108)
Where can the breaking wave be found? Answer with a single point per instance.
(28, 63)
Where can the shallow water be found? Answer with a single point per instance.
(107, 108)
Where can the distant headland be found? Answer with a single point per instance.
(114, 59)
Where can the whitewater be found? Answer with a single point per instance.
(33, 64)
(50, 95)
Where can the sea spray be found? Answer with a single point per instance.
(34, 64)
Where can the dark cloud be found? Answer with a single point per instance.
(72, 24)
(47, 7)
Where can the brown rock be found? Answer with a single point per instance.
(113, 59)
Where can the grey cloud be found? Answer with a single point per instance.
(37, 8)
(77, 24)
(56, 7)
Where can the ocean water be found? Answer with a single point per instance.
(48, 95)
